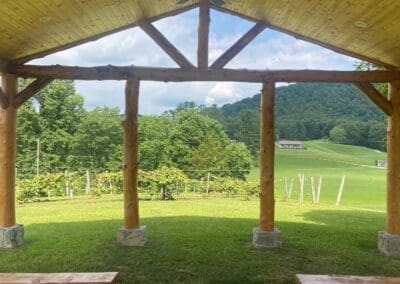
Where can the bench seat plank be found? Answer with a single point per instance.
(340, 279)
(56, 278)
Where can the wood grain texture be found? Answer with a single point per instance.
(164, 43)
(238, 46)
(32, 29)
(203, 34)
(344, 279)
(4, 102)
(393, 162)
(373, 94)
(130, 167)
(364, 29)
(267, 157)
(330, 24)
(31, 90)
(58, 278)
(178, 75)
(8, 124)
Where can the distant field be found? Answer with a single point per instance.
(365, 184)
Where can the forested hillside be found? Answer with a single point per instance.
(308, 111)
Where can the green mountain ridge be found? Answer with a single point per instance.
(307, 111)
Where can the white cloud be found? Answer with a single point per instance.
(270, 50)
(225, 92)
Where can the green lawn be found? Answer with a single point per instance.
(365, 184)
(207, 240)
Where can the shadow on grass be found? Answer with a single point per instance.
(201, 249)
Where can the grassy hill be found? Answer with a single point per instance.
(365, 184)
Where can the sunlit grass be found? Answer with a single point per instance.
(207, 240)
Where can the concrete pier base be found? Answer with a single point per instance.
(389, 244)
(11, 237)
(132, 237)
(265, 239)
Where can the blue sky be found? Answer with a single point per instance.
(270, 50)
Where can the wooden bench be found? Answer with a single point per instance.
(340, 279)
(56, 278)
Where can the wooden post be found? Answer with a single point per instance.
(267, 157)
(301, 191)
(8, 123)
(203, 34)
(88, 186)
(291, 187)
(393, 159)
(312, 190)
(319, 188)
(340, 191)
(130, 168)
(37, 157)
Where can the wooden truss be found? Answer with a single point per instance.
(187, 71)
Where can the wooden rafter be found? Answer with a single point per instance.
(373, 94)
(203, 35)
(311, 40)
(238, 46)
(4, 102)
(31, 90)
(165, 44)
(3, 65)
(44, 53)
(179, 75)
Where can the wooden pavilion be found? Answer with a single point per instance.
(366, 30)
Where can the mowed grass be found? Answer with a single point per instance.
(365, 184)
(208, 240)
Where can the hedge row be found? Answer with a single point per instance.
(162, 184)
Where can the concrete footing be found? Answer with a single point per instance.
(11, 237)
(132, 237)
(389, 244)
(265, 239)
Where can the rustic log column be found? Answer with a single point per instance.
(11, 235)
(267, 158)
(389, 241)
(131, 234)
(266, 236)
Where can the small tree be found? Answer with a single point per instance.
(337, 135)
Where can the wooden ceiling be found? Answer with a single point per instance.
(367, 28)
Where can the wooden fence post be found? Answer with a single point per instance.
(340, 191)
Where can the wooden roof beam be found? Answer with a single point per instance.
(164, 43)
(375, 96)
(32, 89)
(238, 46)
(203, 35)
(180, 75)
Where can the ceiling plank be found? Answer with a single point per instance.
(32, 89)
(165, 44)
(180, 75)
(375, 96)
(236, 48)
(203, 34)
